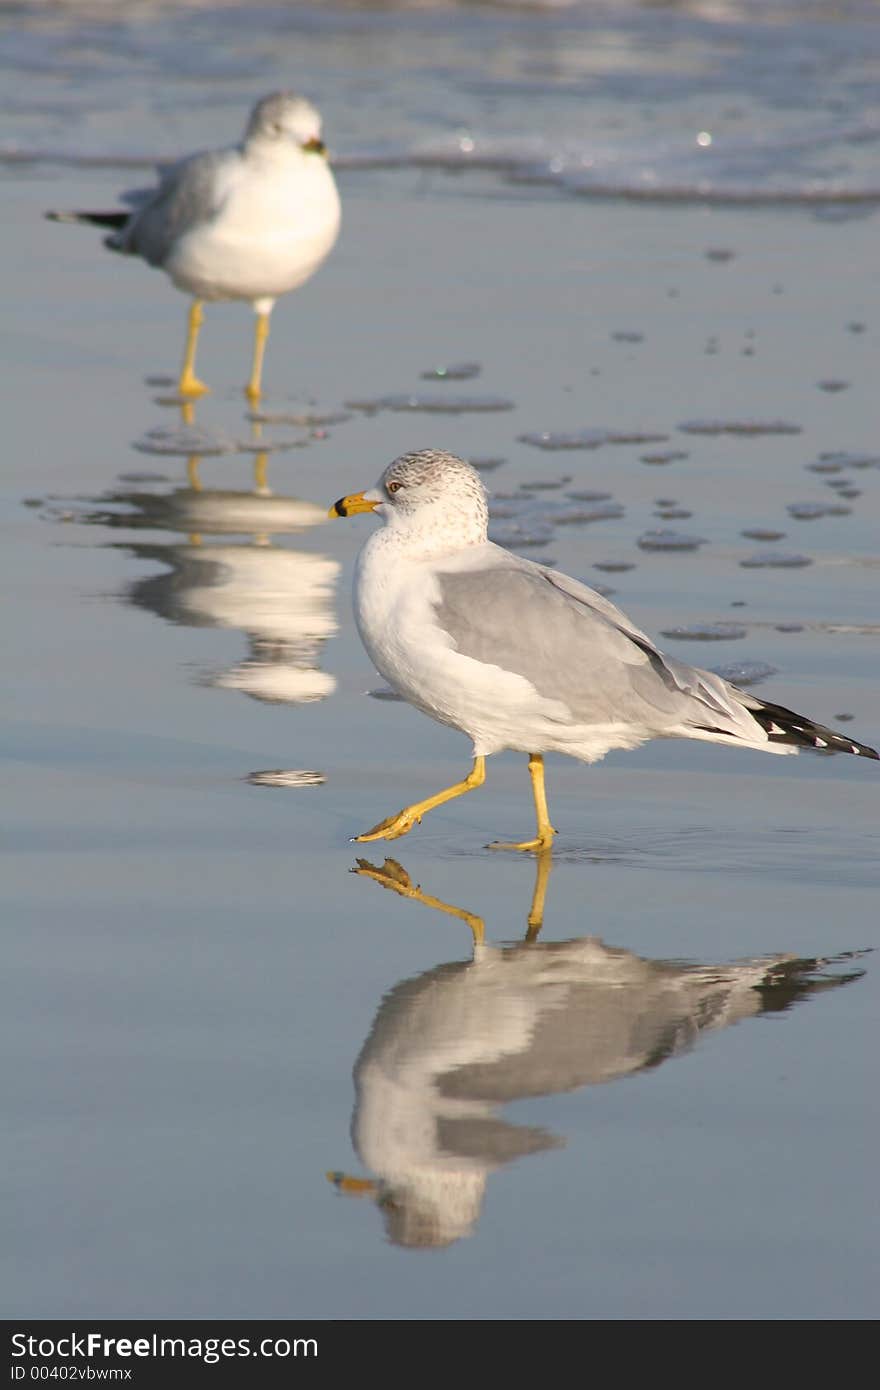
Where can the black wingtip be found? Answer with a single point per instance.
(784, 726)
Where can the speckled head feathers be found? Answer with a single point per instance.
(435, 491)
(284, 113)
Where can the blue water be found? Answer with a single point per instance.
(663, 1104)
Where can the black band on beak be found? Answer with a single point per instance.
(315, 146)
(338, 508)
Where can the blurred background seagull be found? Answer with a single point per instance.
(517, 655)
(251, 222)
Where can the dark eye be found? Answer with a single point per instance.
(395, 487)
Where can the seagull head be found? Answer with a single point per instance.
(284, 117)
(428, 491)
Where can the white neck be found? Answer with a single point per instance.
(435, 529)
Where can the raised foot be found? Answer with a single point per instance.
(189, 385)
(535, 846)
(392, 827)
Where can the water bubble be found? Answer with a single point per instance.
(599, 511)
(745, 428)
(546, 484)
(841, 458)
(517, 535)
(623, 336)
(762, 533)
(812, 511)
(670, 456)
(635, 437)
(669, 540)
(279, 777)
(614, 566)
(719, 254)
(307, 419)
(442, 405)
(774, 559)
(831, 384)
(706, 632)
(453, 371)
(744, 673)
(578, 439)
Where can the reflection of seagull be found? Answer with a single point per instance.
(517, 655)
(449, 1047)
(209, 511)
(251, 222)
(282, 599)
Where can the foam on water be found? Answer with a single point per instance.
(716, 104)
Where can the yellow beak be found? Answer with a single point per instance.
(351, 505)
(353, 1187)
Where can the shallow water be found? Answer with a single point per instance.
(192, 972)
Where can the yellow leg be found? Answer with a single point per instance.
(544, 838)
(394, 826)
(261, 337)
(189, 384)
(394, 876)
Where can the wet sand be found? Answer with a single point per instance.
(192, 970)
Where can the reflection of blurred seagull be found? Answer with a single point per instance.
(209, 511)
(519, 656)
(251, 222)
(282, 600)
(449, 1047)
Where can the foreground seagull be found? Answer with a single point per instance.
(519, 656)
(251, 222)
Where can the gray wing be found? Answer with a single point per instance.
(188, 195)
(575, 646)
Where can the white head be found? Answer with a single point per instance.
(433, 497)
(282, 119)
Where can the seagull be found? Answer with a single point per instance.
(251, 222)
(519, 656)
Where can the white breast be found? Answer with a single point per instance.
(395, 600)
(272, 230)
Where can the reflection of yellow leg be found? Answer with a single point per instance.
(394, 826)
(261, 337)
(192, 472)
(189, 384)
(394, 876)
(544, 838)
(542, 878)
(261, 478)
